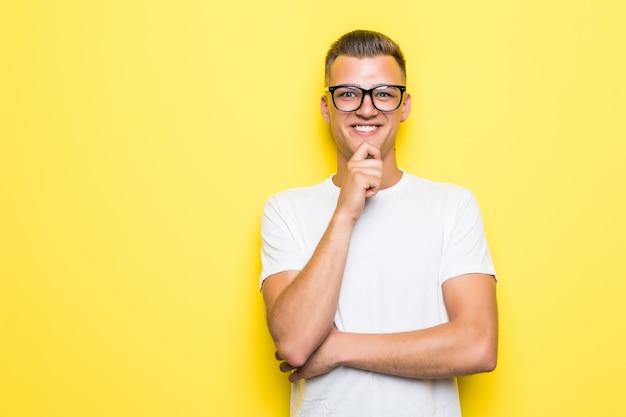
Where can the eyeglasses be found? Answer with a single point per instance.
(349, 98)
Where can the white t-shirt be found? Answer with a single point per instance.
(410, 239)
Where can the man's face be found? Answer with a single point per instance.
(366, 124)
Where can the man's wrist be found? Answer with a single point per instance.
(342, 349)
(343, 218)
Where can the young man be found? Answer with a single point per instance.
(379, 285)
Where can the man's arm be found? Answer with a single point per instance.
(467, 344)
(301, 305)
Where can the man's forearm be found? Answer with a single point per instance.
(448, 350)
(444, 351)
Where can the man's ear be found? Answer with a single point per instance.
(324, 109)
(406, 107)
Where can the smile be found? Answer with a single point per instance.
(365, 128)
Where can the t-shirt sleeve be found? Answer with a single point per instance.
(466, 250)
(280, 250)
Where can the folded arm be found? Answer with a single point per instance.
(467, 344)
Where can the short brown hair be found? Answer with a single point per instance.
(361, 44)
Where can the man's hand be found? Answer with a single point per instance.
(322, 361)
(363, 177)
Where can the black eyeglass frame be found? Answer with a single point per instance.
(365, 92)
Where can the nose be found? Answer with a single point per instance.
(367, 108)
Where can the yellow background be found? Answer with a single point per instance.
(139, 141)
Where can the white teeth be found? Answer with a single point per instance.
(365, 128)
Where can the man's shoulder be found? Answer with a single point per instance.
(435, 188)
(305, 189)
(305, 195)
